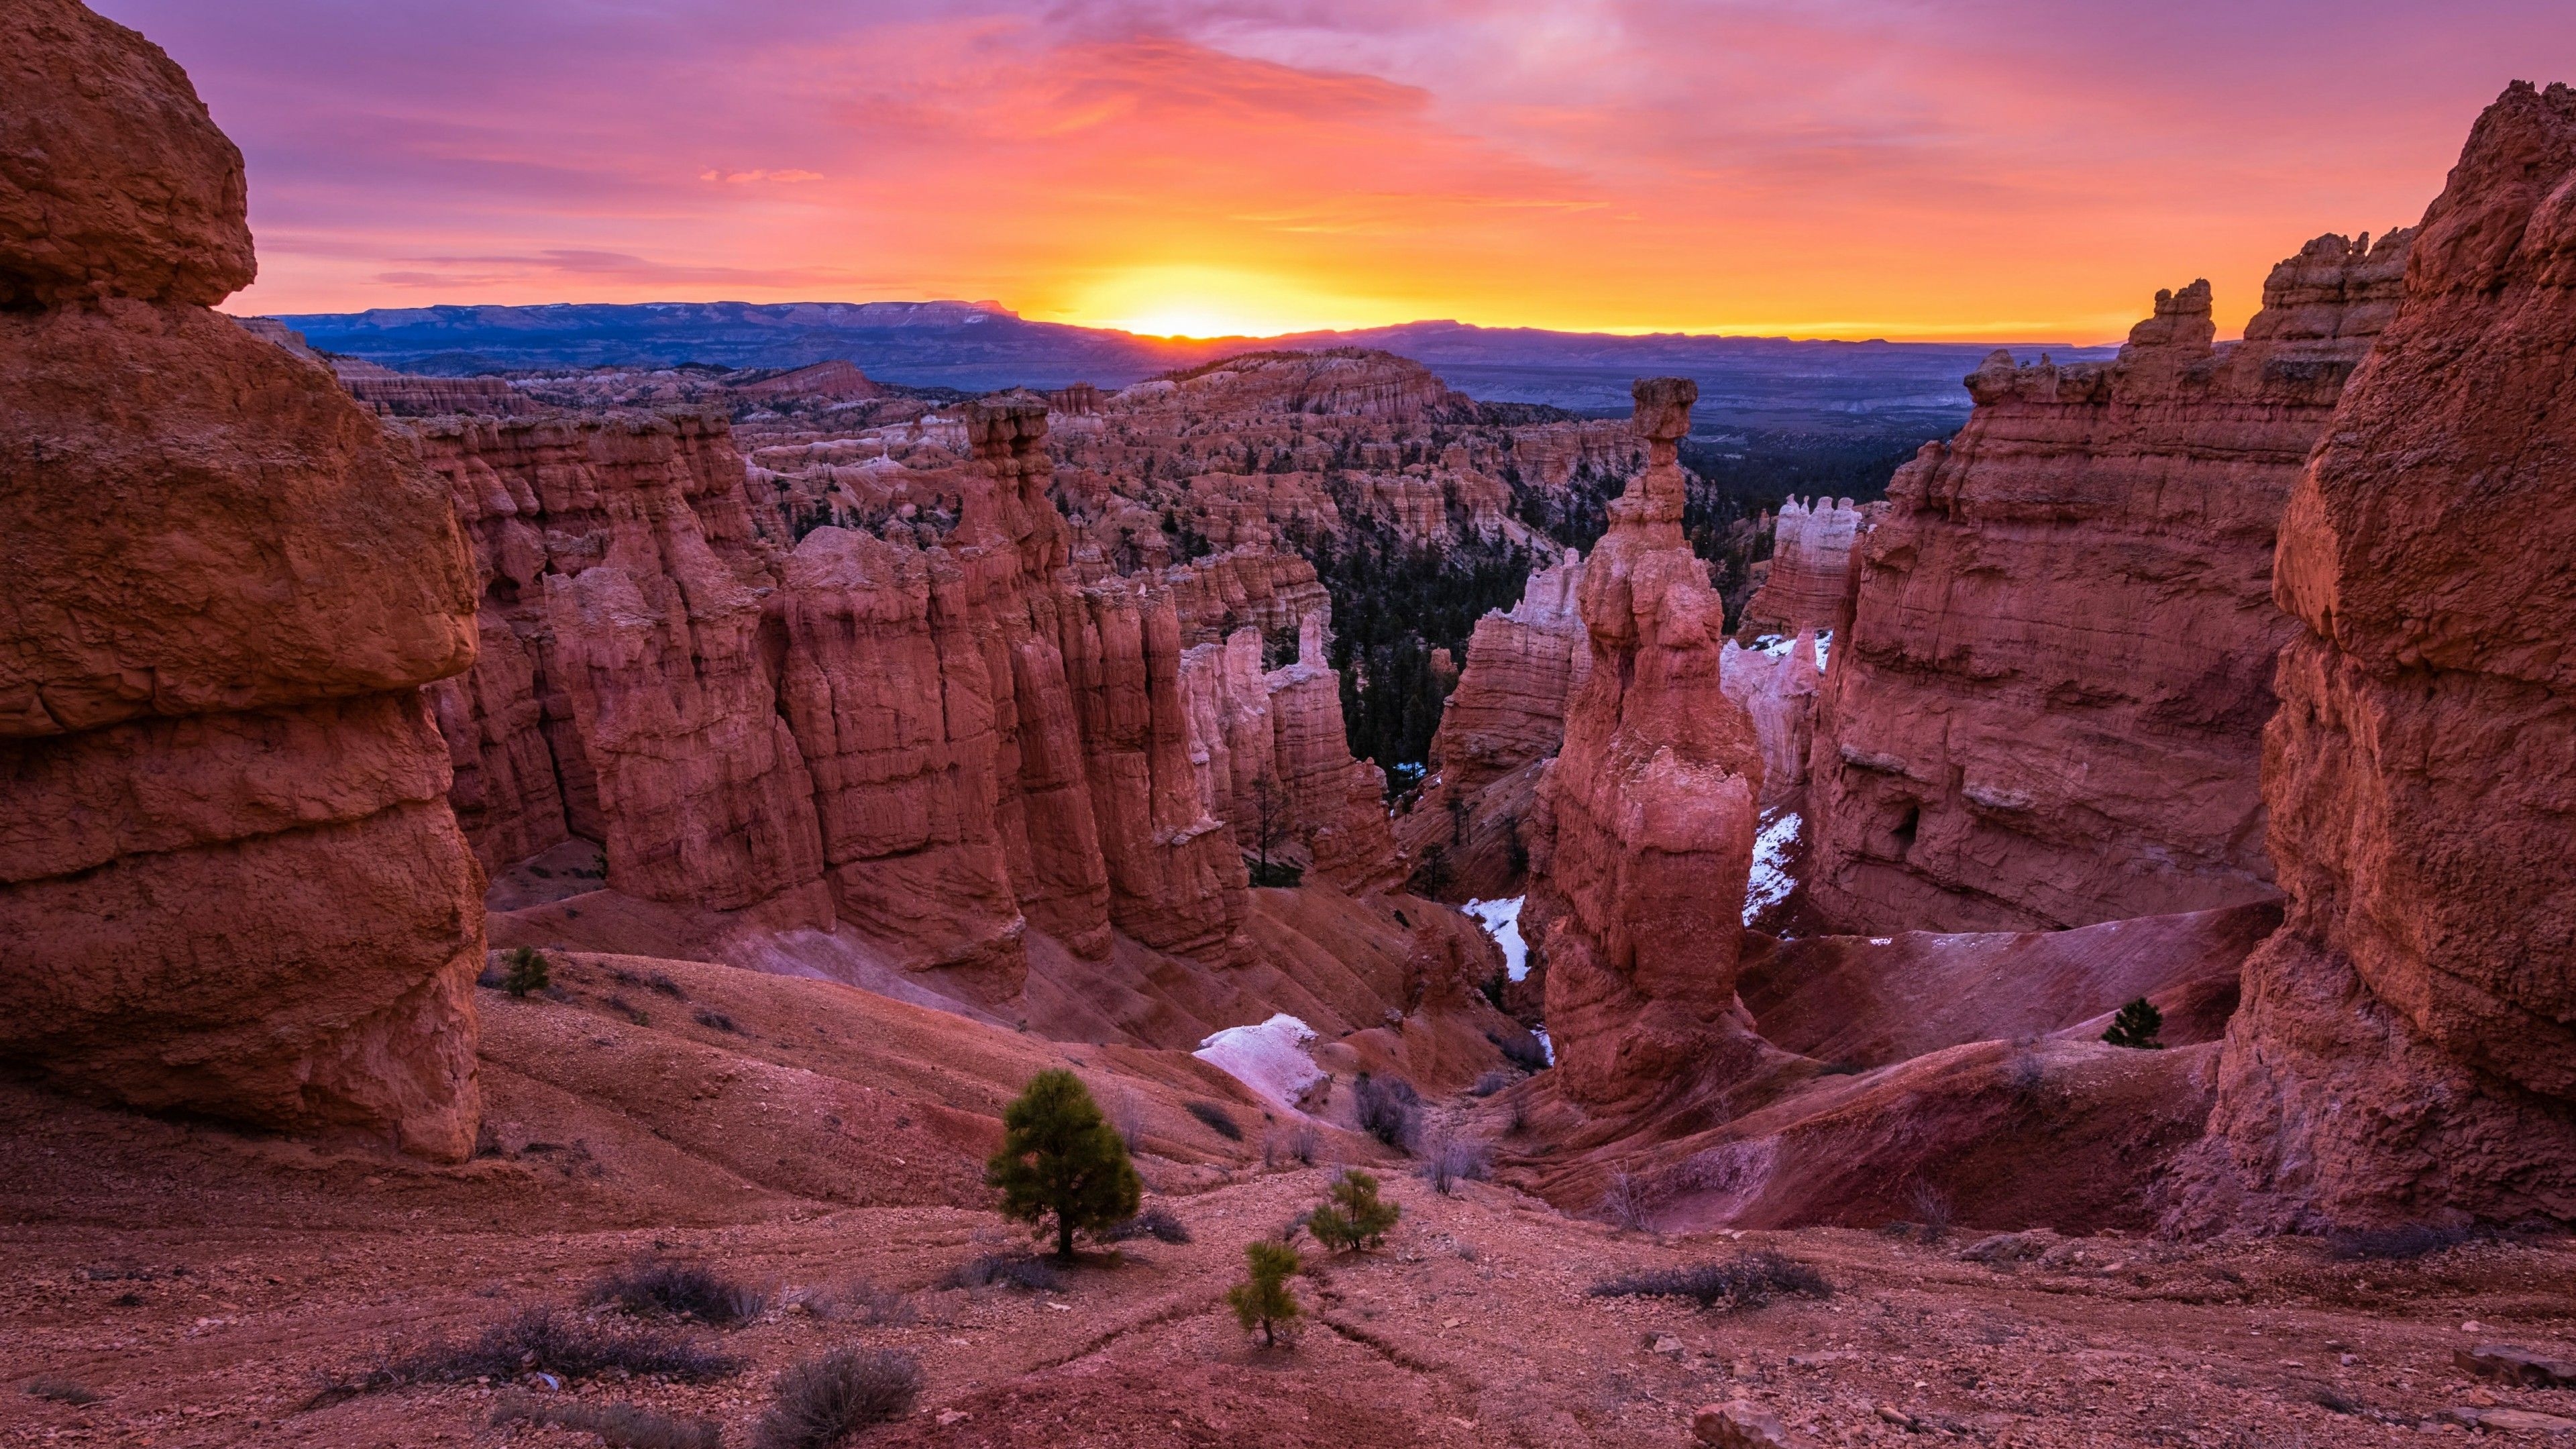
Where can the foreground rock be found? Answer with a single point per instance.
(2406, 1049)
(1648, 812)
(2045, 708)
(229, 881)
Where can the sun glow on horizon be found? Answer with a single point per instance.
(1197, 300)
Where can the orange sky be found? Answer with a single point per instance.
(1843, 168)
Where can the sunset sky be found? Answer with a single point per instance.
(1847, 168)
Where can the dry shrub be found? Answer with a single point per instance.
(715, 1020)
(1008, 1270)
(1490, 1083)
(682, 1290)
(61, 1391)
(1623, 1201)
(1452, 1158)
(1218, 1120)
(1388, 1109)
(1156, 1222)
(1932, 1210)
(2413, 1240)
(619, 1426)
(547, 1339)
(1746, 1281)
(861, 1301)
(823, 1401)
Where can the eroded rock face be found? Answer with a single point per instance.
(229, 880)
(1649, 810)
(2044, 709)
(1810, 566)
(1522, 667)
(2406, 1050)
(1778, 692)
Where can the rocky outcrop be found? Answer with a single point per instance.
(1648, 811)
(2044, 707)
(623, 695)
(229, 880)
(1811, 547)
(1777, 689)
(2405, 1052)
(1509, 707)
(1336, 803)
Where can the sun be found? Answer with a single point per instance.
(1209, 301)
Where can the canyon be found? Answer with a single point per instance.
(846, 752)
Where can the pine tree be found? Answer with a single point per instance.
(1356, 1217)
(1263, 1301)
(527, 972)
(2137, 1025)
(1060, 1156)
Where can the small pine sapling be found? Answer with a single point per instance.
(1061, 1158)
(527, 972)
(1263, 1301)
(2137, 1025)
(1355, 1217)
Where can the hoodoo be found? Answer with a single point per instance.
(230, 885)
(2405, 1051)
(1648, 812)
(2045, 706)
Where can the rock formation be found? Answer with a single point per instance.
(1810, 567)
(1648, 812)
(2406, 1051)
(1777, 689)
(2044, 707)
(1509, 708)
(229, 881)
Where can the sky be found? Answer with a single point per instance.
(1913, 169)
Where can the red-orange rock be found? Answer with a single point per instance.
(2044, 708)
(228, 879)
(2407, 1050)
(1810, 566)
(1649, 810)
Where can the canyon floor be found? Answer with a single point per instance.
(210, 1288)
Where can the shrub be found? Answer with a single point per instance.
(1388, 1109)
(1522, 1049)
(1217, 1119)
(556, 1342)
(823, 1401)
(661, 981)
(1932, 1208)
(1747, 1281)
(61, 1391)
(1061, 1158)
(1452, 1158)
(1128, 1118)
(1009, 1270)
(2411, 1241)
(1623, 1201)
(1490, 1083)
(527, 972)
(2137, 1025)
(716, 1020)
(862, 1302)
(1262, 1300)
(1355, 1216)
(619, 1426)
(682, 1290)
(1155, 1222)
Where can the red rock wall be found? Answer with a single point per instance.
(229, 883)
(2407, 1049)
(1648, 812)
(1810, 565)
(2045, 705)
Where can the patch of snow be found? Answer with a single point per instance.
(1824, 642)
(1882, 940)
(1771, 882)
(1270, 1058)
(1502, 921)
(1545, 1045)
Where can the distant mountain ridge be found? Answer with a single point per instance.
(980, 347)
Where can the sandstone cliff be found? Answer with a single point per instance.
(2406, 1052)
(1647, 815)
(229, 883)
(1811, 548)
(2044, 707)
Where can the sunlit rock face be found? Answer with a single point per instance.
(2407, 1049)
(230, 885)
(1647, 814)
(2045, 707)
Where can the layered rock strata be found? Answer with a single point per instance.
(1509, 707)
(2044, 707)
(2407, 1049)
(1777, 689)
(229, 881)
(1648, 811)
(1811, 547)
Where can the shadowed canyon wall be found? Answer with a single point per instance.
(2407, 1049)
(230, 884)
(2044, 707)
